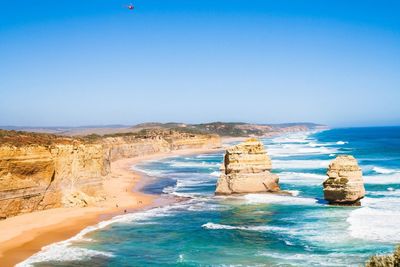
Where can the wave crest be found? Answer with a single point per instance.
(260, 228)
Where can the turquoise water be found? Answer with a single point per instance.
(254, 230)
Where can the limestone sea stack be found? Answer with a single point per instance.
(345, 185)
(246, 169)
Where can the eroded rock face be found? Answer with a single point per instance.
(129, 147)
(246, 169)
(345, 185)
(391, 260)
(36, 177)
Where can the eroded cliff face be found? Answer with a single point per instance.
(246, 169)
(36, 177)
(42, 176)
(159, 142)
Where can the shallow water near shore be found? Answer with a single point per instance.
(253, 229)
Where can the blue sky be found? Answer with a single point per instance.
(92, 62)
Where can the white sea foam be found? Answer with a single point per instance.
(392, 178)
(260, 228)
(215, 174)
(297, 144)
(180, 258)
(205, 206)
(384, 170)
(389, 203)
(300, 164)
(169, 189)
(299, 137)
(288, 150)
(185, 194)
(284, 140)
(314, 144)
(301, 177)
(185, 182)
(341, 142)
(288, 243)
(391, 192)
(375, 224)
(275, 198)
(149, 172)
(296, 137)
(194, 164)
(207, 156)
(63, 252)
(191, 182)
(294, 193)
(308, 260)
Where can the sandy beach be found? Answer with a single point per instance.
(24, 235)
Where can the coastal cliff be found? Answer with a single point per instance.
(155, 141)
(246, 169)
(36, 177)
(39, 172)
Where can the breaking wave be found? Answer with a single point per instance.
(384, 170)
(193, 164)
(300, 164)
(275, 198)
(301, 177)
(288, 150)
(215, 174)
(341, 142)
(393, 178)
(261, 228)
(375, 224)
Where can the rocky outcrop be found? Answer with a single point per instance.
(246, 169)
(392, 260)
(345, 185)
(40, 172)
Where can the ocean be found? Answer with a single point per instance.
(253, 229)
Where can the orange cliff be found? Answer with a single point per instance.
(38, 173)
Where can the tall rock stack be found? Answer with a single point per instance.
(246, 169)
(345, 185)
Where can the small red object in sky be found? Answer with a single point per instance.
(131, 7)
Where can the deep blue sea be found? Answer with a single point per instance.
(254, 229)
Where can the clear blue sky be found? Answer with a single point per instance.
(91, 62)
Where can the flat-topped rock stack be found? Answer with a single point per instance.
(246, 169)
(345, 185)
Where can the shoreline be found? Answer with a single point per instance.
(123, 193)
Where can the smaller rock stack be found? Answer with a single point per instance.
(246, 169)
(345, 185)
